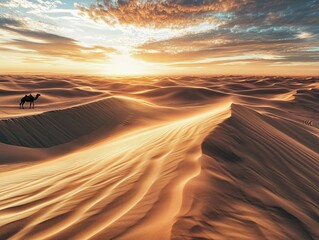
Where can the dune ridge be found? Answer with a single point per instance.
(262, 182)
(225, 157)
(62, 126)
(142, 180)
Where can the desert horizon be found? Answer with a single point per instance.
(123, 76)
(159, 120)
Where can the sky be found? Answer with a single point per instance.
(156, 37)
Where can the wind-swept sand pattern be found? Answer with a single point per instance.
(160, 158)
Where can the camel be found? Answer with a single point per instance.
(29, 98)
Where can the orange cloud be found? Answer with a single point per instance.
(159, 13)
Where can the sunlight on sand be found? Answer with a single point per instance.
(159, 158)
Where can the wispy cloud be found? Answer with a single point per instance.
(51, 45)
(36, 6)
(194, 47)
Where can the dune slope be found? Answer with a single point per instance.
(259, 183)
(62, 126)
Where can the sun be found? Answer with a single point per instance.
(127, 65)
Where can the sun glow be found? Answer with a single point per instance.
(127, 65)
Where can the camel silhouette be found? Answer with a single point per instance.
(29, 98)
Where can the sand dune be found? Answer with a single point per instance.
(159, 158)
(262, 182)
(62, 126)
(183, 95)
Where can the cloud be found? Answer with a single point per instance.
(10, 22)
(33, 6)
(227, 43)
(49, 44)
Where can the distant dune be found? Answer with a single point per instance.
(225, 157)
(183, 95)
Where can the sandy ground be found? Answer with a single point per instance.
(225, 157)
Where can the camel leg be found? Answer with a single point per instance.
(30, 104)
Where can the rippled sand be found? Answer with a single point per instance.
(225, 157)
